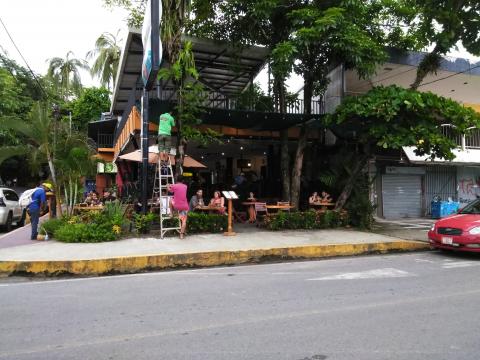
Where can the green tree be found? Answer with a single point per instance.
(320, 38)
(392, 117)
(442, 24)
(65, 74)
(89, 106)
(107, 57)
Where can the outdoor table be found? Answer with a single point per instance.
(78, 208)
(280, 207)
(322, 205)
(252, 215)
(210, 209)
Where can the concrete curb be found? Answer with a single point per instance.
(132, 264)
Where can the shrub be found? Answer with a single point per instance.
(206, 223)
(360, 210)
(52, 225)
(88, 233)
(306, 220)
(143, 222)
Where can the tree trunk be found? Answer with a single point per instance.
(302, 142)
(55, 185)
(297, 167)
(429, 64)
(347, 190)
(284, 153)
(285, 165)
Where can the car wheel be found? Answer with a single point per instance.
(21, 222)
(8, 224)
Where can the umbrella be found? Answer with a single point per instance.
(136, 155)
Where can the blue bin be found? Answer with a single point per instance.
(441, 209)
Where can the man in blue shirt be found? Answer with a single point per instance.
(39, 198)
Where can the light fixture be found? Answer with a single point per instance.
(223, 154)
(241, 147)
(264, 153)
(249, 164)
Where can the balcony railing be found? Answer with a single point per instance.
(470, 140)
(105, 140)
(217, 100)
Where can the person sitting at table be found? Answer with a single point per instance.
(325, 197)
(107, 197)
(251, 197)
(196, 200)
(218, 201)
(314, 198)
(95, 201)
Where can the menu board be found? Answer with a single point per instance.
(230, 195)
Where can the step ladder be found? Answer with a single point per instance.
(163, 177)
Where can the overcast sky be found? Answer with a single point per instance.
(50, 28)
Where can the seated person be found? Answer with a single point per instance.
(314, 198)
(251, 197)
(196, 200)
(218, 202)
(95, 201)
(325, 197)
(107, 197)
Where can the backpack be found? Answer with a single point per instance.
(26, 197)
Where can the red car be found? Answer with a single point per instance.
(460, 232)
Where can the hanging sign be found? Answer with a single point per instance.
(152, 46)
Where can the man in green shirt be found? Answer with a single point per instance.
(165, 125)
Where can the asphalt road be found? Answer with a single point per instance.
(405, 306)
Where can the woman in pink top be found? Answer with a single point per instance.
(180, 203)
(218, 202)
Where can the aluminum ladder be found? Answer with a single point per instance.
(163, 177)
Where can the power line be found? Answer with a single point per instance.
(25, 61)
(449, 76)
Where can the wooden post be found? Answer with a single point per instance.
(229, 231)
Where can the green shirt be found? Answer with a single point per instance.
(165, 124)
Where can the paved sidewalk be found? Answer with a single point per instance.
(140, 254)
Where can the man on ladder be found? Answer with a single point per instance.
(165, 179)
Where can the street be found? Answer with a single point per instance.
(402, 306)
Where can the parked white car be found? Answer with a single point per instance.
(10, 209)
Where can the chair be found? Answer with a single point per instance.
(284, 203)
(261, 207)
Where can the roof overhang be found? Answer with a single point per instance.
(467, 157)
(457, 78)
(222, 68)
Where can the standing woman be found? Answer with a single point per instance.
(180, 203)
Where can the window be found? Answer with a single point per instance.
(10, 195)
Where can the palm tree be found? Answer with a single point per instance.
(65, 74)
(37, 131)
(107, 52)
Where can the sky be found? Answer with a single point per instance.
(50, 28)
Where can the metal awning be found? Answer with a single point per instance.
(462, 157)
(222, 68)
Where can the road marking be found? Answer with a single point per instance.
(370, 274)
(425, 260)
(459, 264)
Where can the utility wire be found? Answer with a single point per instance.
(25, 61)
(449, 76)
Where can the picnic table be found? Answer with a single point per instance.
(280, 207)
(322, 205)
(79, 208)
(209, 208)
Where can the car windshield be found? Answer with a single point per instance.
(472, 208)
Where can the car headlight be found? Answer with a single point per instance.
(475, 231)
(432, 228)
